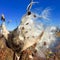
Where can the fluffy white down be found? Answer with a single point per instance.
(31, 31)
(49, 37)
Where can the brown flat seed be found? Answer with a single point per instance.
(26, 32)
(27, 37)
(34, 15)
(27, 23)
(22, 28)
(45, 43)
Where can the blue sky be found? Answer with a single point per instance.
(15, 9)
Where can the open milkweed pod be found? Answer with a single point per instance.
(29, 43)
